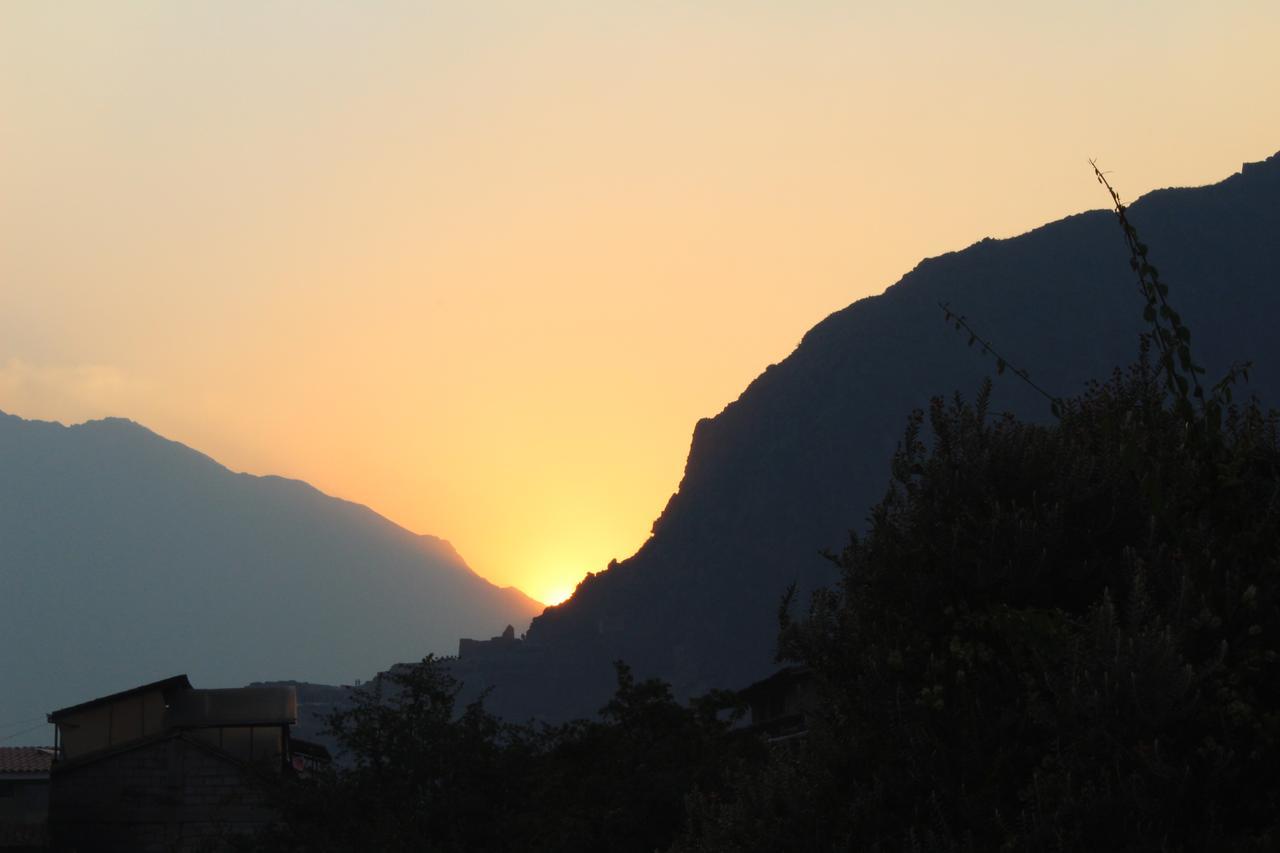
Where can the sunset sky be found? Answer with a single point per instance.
(483, 265)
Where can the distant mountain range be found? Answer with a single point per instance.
(125, 558)
(796, 462)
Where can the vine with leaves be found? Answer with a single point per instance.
(1170, 336)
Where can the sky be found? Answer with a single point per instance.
(482, 265)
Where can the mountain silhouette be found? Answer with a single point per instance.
(792, 465)
(125, 557)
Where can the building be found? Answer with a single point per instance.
(24, 797)
(781, 703)
(493, 648)
(165, 766)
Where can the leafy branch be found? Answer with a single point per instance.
(1171, 336)
(1002, 363)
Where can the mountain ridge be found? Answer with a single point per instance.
(794, 462)
(126, 556)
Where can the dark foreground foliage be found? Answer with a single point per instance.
(1052, 637)
(426, 775)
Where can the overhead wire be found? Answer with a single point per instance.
(23, 732)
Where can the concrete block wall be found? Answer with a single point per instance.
(166, 795)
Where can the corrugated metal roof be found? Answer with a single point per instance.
(25, 759)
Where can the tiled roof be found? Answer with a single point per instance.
(25, 759)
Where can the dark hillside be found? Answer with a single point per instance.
(785, 470)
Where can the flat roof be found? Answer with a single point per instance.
(233, 706)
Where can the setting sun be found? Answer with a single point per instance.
(482, 267)
(555, 596)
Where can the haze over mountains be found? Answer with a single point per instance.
(786, 470)
(125, 558)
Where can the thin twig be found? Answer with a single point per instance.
(1002, 362)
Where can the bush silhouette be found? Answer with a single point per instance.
(1058, 636)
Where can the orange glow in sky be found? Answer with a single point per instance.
(483, 265)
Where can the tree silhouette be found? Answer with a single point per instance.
(423, 774)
